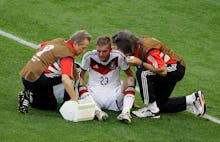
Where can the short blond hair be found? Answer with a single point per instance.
(103, 40)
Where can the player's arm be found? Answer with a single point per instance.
(134, 61)
(67, 81)
(159, 70)
(129, 72)
(82, 74)
(85, 65)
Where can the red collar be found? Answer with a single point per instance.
(70, 44)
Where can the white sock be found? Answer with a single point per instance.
(127, 103)
(190, 99)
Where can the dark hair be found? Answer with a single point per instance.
(103, 40)
(125, 41)
(80, 36)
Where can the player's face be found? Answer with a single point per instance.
(81, 47)
(103, 52)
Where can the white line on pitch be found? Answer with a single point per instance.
(20, 40)
(32, 45)
(211, 118)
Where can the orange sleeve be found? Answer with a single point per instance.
(66, 65)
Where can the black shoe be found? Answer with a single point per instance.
(23, 101)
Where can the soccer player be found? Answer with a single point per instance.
(52, 64)
(104, 65)
(158, 71)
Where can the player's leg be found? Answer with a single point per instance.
(41, 92)
(85, 94)
(165, 86)
(194, 102)
(164, 89)
(44, 99)
(128, 89)
(147, 90)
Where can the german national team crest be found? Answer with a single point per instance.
(96, 66)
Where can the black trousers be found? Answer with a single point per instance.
(158, 88)
(42, 89)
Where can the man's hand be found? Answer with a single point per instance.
(133, 61)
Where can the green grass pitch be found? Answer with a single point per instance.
(190, 27)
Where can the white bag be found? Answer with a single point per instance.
(72, 111)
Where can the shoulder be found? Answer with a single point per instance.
(153, 51)
(117, 53)
(90, 54)
(58, 40)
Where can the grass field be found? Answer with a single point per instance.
(190, 27)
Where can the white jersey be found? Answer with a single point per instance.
(106, 74)
(104, 78)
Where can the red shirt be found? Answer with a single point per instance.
(66, 64)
